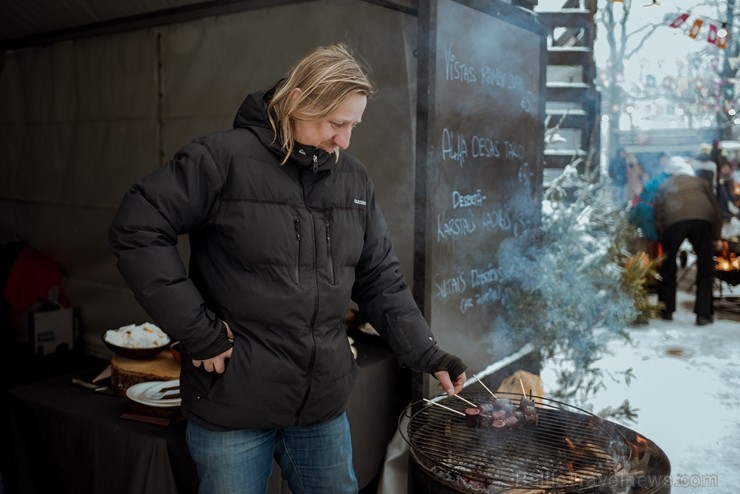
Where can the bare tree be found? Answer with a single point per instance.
(615, 17)
(725, 111)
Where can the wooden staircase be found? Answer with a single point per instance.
(573, 103)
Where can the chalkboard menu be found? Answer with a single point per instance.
(480, 128)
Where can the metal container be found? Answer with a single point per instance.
(566, 450)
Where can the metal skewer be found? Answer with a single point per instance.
(524, 393)
(445, 407)
(486, 387)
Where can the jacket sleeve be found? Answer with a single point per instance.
(175, 199)
(385, 299)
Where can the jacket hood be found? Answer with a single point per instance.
(679, 166)
(252, 115)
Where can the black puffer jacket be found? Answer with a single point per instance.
(277, 252)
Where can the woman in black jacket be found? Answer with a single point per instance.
(284, 230)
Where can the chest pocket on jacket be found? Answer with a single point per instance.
(343, 240)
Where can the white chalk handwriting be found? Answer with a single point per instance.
(455, 147)
(449, 286)
(490, 220)
(459, 70)
(496, 219)
(475, 287)
(455, 70)
(460, 200)
(454, 227)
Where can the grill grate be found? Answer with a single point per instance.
(568, 450)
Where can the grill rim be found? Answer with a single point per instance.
(546, 405)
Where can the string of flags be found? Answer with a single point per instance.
(653, 3)
(717, 36)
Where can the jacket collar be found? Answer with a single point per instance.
(312, 157)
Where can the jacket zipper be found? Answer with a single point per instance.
(327, 227)
(297, 269)
(312, 360)
(315, 163)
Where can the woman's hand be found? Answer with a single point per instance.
(447, 385)
(217, 363)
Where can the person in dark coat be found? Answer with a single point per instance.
(686, 208)
(728, 200)
(285, 230)
(618, 175)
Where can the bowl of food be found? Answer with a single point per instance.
(136, 341)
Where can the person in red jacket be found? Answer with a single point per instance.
(686, 208)
(285, 231)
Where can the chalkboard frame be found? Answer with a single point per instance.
(426, 108)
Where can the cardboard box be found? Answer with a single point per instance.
(51, 331)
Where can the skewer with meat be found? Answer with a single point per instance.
(501, 414)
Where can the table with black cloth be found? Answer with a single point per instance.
(63, 438)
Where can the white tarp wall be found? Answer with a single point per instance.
(81, 121)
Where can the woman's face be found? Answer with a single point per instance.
(335, 130)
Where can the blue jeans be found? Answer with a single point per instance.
(313, 459)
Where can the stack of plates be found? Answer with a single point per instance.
(151, 393)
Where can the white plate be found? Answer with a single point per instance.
(147, 393)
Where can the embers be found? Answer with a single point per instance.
(729, 260)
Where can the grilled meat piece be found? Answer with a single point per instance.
(501, 414)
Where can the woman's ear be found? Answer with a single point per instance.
(294, 93)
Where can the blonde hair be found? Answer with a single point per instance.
(326, 76)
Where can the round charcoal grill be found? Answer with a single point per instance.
(568, 450)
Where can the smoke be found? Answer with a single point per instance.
(562, 282)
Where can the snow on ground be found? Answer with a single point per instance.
(687, 392)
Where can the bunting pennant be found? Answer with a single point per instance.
(679, 20)
(694, 31)
(722, 41)
(712, 36)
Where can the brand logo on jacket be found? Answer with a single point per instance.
(360, 202)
